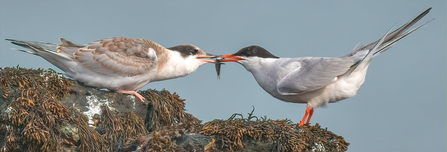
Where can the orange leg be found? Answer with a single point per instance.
(310, 112)
(132, 93)
(310, 115)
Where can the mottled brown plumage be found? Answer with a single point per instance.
(119, 63)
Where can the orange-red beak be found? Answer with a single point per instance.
(230, 58)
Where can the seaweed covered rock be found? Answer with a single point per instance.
(166, 109)
(239, 134)
(33, 118)
(41, 110)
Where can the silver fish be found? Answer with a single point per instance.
(217, 64)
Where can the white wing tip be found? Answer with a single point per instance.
(285, 93)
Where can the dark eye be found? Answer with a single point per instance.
(194, 52)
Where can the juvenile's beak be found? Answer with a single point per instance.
(230, 58)
(213, 56)
(207, 56)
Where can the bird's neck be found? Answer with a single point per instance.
(265, 71)
(174, 66)
(258, 64)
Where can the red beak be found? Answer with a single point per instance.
(230, 58)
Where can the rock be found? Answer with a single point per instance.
(271, 135)
(195, 142)
(41, 110)
(69, 132)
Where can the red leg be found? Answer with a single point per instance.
(132, 93)
(305, 116)
(310, 115)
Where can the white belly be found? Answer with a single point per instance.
(111, 82)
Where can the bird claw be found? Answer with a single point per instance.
(142, 99)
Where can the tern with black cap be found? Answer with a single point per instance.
(119, 64)
(316, 81)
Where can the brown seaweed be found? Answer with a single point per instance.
(236, 134)
(32, 118)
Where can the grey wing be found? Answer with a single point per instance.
(312, 74)
(47, 51)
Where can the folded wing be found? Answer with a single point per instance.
(312, 73)
(117, 56)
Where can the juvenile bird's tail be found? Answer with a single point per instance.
(48, 51)
(388, 40)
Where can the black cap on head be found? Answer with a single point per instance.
(186, 50)
(254, 51)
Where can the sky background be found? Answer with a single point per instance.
(400, 107)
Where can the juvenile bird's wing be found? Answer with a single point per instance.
(117, 56)
(312, 73)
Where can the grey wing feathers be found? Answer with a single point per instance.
(312, 74)
(35, 46)
(390, 43)
(388, 40)
(398, 32)
(47, 51)
(369, 54)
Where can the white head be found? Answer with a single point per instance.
(183, 60)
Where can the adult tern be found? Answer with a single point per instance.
(316, 81)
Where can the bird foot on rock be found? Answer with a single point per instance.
(142, 99)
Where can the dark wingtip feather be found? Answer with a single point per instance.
(12, 40)
(19, 43)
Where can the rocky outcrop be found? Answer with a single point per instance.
(41, 110)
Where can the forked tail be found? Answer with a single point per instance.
(388, 40)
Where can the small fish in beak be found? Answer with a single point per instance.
(217, 64)
(224, 58)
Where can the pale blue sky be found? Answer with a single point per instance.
(400, 107)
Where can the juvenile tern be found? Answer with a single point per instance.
(316, 80)
(119, 64)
